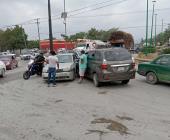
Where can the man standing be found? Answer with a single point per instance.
(53, 62)
(82, 65)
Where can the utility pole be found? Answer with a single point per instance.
(50, 26)
(155, 29)
(64, 16)
(162, 25)
(147, 23)
(65, 22)
(151, 42)
(38, 28)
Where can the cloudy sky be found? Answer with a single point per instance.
(127, 15)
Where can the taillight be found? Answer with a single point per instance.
(104, 66)
(133, 65)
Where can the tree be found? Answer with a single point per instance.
(13, 38)
(93, 34)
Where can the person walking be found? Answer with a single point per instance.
(82, 65)
(53, 62)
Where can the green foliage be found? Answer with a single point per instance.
(12, 38)
(93, 34)
(33, 44)
(147, 50)
(166, 51)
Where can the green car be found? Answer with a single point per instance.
(157, 70)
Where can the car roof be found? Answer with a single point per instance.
(165, 55)
(109, 49)
(61, 54)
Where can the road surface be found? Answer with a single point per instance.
(29, 110)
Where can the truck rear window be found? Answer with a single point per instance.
(117, 55)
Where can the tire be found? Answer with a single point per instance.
(125, 82)
(26, 75)
(3, 73)
(95, 80)
(74, 75)
(151, 78)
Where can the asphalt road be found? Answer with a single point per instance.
(29, 110)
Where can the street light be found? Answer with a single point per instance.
(151, 42)
(155, 29)
(147, 23)
(50, 26)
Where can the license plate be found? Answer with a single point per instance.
(121, 69)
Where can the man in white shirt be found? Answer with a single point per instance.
(53, 62)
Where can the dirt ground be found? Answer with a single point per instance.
(29, 110)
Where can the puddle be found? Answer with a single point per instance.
(125, 118)
(102, 92)
(57, 101)
(113, 125)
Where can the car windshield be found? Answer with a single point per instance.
(117, 55)
(65, 58)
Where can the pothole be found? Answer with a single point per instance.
(113, 125)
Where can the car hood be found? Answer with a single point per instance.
(61, 66)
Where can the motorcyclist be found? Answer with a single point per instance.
(39, 60)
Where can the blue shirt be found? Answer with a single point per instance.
(83, 61)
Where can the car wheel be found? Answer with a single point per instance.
(74, 75)
(95, 80)
(3, 73)
(124, 82)
(151, 78)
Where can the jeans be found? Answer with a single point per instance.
(52, 75)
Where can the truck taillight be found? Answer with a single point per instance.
(104, 66)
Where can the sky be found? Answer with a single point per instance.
(127, 15)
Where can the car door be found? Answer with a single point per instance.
(163, 68)
(90, 63)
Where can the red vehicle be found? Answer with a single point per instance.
(9, 61)
(58, 44)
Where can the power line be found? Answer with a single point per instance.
(99, 7)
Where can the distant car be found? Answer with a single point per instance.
(10, 61)
(25, 56)
(109, 65)
(67, 67)
(157, 70)
(2, 69)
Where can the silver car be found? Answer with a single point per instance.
(2, 69)
(67, 67)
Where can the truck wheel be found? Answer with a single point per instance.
(95, 80)
(151, 78)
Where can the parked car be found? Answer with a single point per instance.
(67, 67)
(2, 69)
(157, 70)
(108, 65)
(10, 61)
(25, 56)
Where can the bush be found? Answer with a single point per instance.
(149, 50)
(166, 51)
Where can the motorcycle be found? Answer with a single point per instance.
(33, 68)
